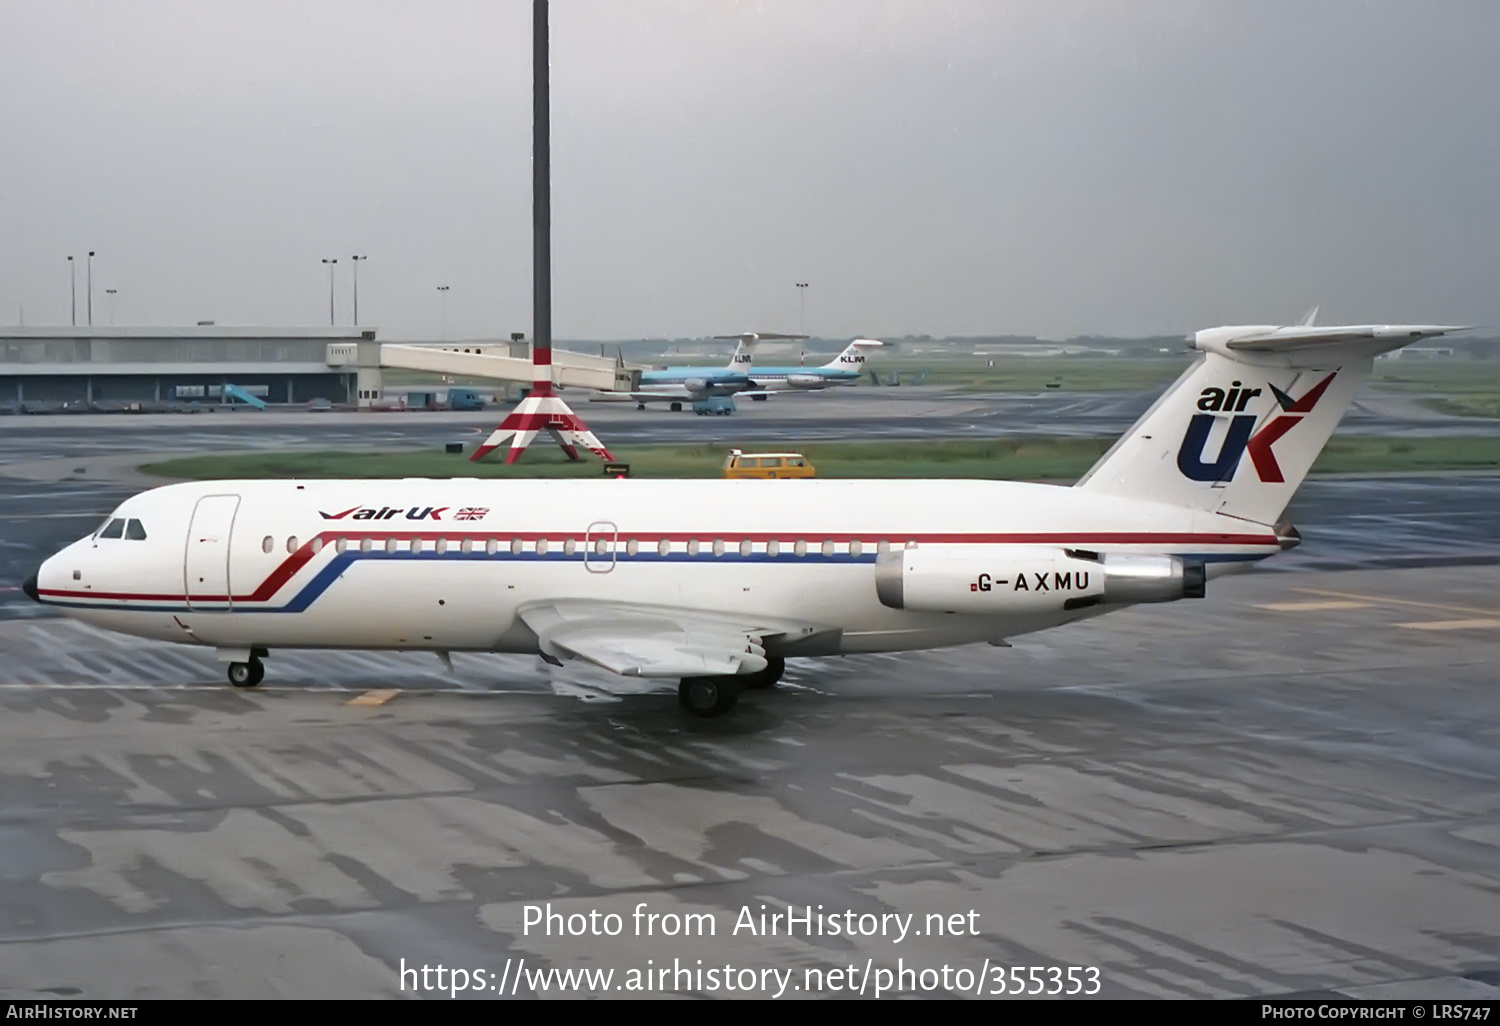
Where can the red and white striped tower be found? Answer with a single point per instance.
(541, 410)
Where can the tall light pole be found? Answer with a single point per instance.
(542, 409)
(330, 264)
(802, 315)
(91, 288)
(356, 260)
(73, 289)
(443, 295)
(111, 294)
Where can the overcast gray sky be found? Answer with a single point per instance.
(926, 166)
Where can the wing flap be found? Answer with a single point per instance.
(642, 641)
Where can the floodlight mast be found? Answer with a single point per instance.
(541, 410)
(541, 199)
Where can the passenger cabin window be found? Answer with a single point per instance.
(746, 547)
(114, 529)
(134, 531)
(268, 544)
(773, 547)
(664, 548)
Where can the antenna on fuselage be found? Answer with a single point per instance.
(541, 410)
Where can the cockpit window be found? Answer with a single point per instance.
(114, 529)
(134, 531)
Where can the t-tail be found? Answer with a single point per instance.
(853, 356)
(1238, 431)
(744, 353)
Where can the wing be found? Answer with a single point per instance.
(661, 641)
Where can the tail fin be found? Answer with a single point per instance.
(1274, 394)
(853, 356)
(744, 352)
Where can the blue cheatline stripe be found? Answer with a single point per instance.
(324, 578)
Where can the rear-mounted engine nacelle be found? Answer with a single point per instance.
(1022, 579)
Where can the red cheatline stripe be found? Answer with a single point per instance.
(297, 560)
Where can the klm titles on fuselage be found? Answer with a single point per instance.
(1070, 581)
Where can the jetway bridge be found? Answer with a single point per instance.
(508, 362)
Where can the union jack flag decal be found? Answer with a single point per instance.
(470, 513)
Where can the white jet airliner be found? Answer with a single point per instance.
(716, 583)
(678, 385)
(843, 369)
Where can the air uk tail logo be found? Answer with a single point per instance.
(1242, 436)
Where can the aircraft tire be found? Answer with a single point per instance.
(247, 675)
(767, 678)
(708, 696)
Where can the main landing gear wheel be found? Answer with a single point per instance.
(247, 675)
(708, 696)
(767, 678)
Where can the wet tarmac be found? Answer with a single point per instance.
(850, 413)
(1291, 787)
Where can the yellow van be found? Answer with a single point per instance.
(767, 465)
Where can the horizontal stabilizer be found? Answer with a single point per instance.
(1368, 339)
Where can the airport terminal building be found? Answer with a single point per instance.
(46, 368)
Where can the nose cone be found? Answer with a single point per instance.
(29, 587)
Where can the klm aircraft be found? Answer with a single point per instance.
(699, 385)
(843, 369)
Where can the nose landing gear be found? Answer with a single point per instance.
(247, 674)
